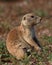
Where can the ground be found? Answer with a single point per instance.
(10, 17)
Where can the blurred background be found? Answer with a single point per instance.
(11, 12)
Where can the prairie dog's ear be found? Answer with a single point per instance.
(24, 18)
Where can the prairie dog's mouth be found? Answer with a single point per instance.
(35, 24)
(38, 22)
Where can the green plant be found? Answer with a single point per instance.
(47, 38)
(4, 55)
(41, 13)
(50, 57)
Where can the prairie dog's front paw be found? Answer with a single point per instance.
(38, 49)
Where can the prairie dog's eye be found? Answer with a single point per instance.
(24, 18)
(32, 16)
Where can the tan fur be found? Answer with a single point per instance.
(20, 37)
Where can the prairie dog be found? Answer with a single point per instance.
(23, 36)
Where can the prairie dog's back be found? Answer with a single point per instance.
(11, 38)
(13, 44)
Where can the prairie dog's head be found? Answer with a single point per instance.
(30, 19)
